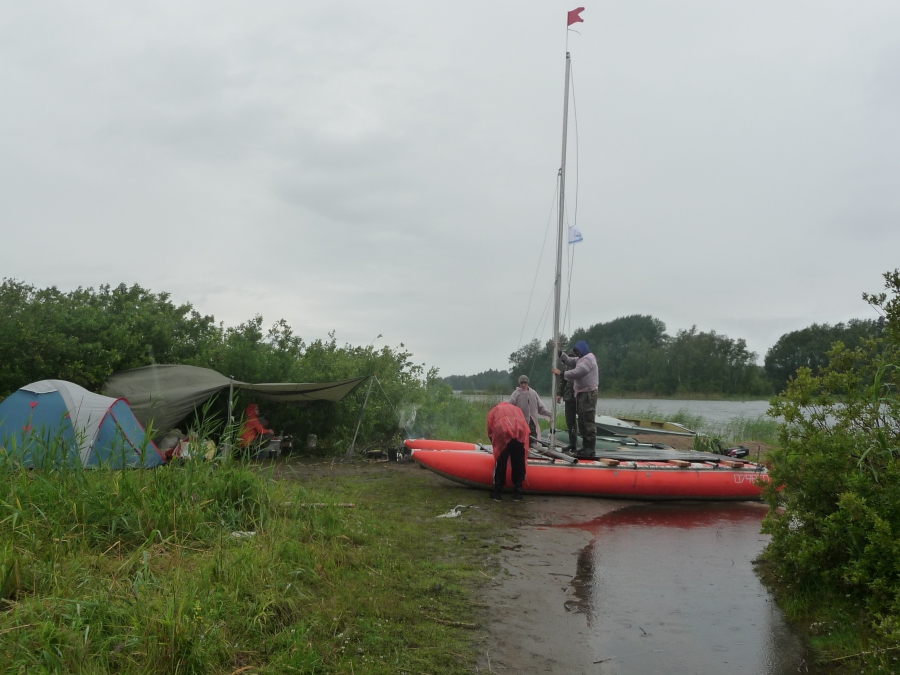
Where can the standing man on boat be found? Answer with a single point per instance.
(585, 378)
(508, 431)
(531, 405)
(567, 394)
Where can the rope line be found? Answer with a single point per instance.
(537, 269)
(386, 398)
(545, 318)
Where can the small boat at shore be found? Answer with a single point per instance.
(622, 426)
(645, 472)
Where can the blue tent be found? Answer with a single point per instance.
(59, 422)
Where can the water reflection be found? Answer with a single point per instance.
(671, 589)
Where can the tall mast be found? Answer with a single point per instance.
(557, 284)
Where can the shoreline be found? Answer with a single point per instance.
(638, 396)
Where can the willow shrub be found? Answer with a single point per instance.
(88, 334)
(835, 492)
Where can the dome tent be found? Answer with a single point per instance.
(55, 420)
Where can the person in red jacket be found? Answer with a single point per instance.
(508, 431)
(253, 430)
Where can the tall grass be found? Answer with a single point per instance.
(121, 568)
(211, 567)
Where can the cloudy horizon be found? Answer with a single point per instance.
(388, 169)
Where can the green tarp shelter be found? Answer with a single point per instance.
(166, 394)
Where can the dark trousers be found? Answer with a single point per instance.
(534, 431)
(514, 452)
(571, 421)
(586, 402)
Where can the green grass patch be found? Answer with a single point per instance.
(208, 568)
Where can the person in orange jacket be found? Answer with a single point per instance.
(253, 430)
(509, 432)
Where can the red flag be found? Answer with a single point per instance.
(574, 16)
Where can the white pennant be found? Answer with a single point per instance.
(575, 235)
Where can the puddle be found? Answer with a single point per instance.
(671, 589)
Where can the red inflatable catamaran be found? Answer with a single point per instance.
(624, 469)
(651, 473)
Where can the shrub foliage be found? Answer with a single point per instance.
(835, 515)
(86, 335)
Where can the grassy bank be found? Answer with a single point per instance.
(204, 568)
(842, 635)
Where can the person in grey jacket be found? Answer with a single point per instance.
(585, 378)
(531, 405)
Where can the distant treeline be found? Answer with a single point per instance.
(489, 380)
(636, 354)
(810, 346)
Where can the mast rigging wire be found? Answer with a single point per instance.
(570, 259)
(537, 269)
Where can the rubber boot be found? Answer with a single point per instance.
(588, 450)
(517, 493)
(496, 494)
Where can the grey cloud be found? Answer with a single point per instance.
(387, 167)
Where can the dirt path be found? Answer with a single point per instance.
(533, 622)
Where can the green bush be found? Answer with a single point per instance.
(86, 335)
(835, 492)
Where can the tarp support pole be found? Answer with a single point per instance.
(362, 412)
(228, 420)
(230, 396)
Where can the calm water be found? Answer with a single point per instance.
(712, 411)
(671, 589)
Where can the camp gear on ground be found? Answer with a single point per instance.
(59, 422)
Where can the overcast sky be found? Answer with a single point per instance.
(389, 167)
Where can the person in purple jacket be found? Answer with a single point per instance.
(585, 378)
